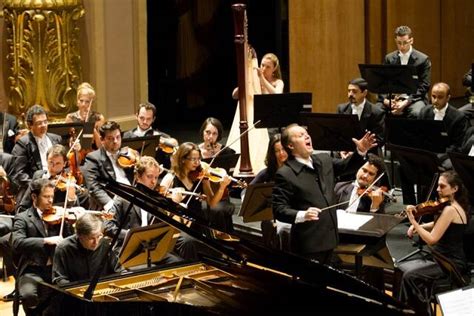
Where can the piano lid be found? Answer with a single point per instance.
(247, 253)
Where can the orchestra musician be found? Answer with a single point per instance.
(30, 150)
(186, 165)
(468, 146)
(10, 130)
(78, 256)
(85, 97)
(33, 243)
(445, 235)
(146, 116)
(211, 132)
(58, 173)
(304, 185)
(102, 164)
(373, 200)
(407, 55)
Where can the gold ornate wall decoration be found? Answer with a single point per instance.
(43, 54)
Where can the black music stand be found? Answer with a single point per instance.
(280, 110)
(427, 135)
(145, 145)
(64, 130)
(257, 205)
(147, 244)
(331, 131)
(226, 162)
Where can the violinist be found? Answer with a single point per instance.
(102, 164)
(78, 256)
(372, 200)
(444, 234)
(59, 174)
(85, 97)
(34, 243)
(186, 166)
(211, 133)
(146, 116)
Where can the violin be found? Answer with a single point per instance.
(167, 192)
(431, 207)
(214, 174)
(7, 199)
(127, 157)
(54, 216)
(65, 178)
(75, 157)
(167, 146)
(369, 192)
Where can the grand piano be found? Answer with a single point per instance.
(242, 278)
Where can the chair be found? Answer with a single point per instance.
(458, 280)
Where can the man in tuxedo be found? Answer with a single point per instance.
(366, 175)
(33, 245)
(407, 55)
(371, 117)
(101, 165)
(304, 186)
(8, 131)
(30, 150)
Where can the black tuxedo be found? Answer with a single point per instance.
(422, 65)
(97, 169)
(298, 187)
(28, 159)
(151, 132)
(343, 191)
(372, 119)
(468, 141)
(10, 130)
(456, 125)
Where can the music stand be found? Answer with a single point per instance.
(64, 130)
(464, 166)
(226, 162)
(147, 244)
(280, 110)
(257, 205)
(427, 135)
(331, 131)
(145, 145)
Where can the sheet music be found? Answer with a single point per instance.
(352, 221)
(457, 303)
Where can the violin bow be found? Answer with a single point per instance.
(68, 185)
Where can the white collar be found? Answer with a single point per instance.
(407, 54)
(441, 111)
(308, 162)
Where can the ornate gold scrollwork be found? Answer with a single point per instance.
(43, 54)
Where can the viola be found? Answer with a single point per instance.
(127, 157)
(431, 207)
(76, 157)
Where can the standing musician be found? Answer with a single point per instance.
(84, 114)
(304, 186)
(186, 168)
(102, 164)
(444, 234)
(79, 256)
(33, 245)
(146, 116)
(372, 201)
(58, 173)
(30, 150)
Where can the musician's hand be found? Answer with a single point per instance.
(259, 72)
(312, 214)
(367, 142)
(176, 195)
(3, 173)
(377, 198)
(411, 231)
(345, 154)
(409, 210)
(226, 180)
(54, 240)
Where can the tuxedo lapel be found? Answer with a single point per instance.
(37, 222)
(34, 151)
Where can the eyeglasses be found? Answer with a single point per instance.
(403, 43)
(193, 159)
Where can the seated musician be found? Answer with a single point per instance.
(186, 166)
(84, 114)
(34, 242)
(58, 173)
(304, 185)
(79, 256)
(146, 116)
(30, 150)
(373, 200)
(102, 164)
(211, 132)
(445, 235)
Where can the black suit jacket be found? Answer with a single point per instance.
(298, 187)
(456, 125)
(10, 130)
(27, 238)
(422, 65)
(468, 141)
(343, 192)
(372, 119)
(28, 158)
(97, 169)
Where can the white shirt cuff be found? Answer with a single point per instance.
(300, 217)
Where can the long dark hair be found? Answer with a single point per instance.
(271, 160)
(460, 195)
